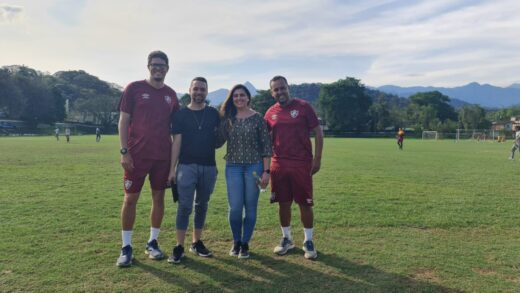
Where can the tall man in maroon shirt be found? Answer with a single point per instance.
(144, 134)
(290, 122)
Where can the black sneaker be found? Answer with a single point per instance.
(177, 254)
(153, 251)
(244, 251)
(199, 249)
(235, 250)
(125, 258)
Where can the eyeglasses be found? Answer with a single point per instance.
(158, 65)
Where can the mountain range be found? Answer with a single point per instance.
(218, 96)
(485, 95)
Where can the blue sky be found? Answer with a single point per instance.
(406, 43)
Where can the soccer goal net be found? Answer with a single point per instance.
(476, 134)
(426, 134)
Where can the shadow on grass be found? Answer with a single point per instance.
(169, 276)
(261, 273)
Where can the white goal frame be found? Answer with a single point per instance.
(476, 134)
(430, 134)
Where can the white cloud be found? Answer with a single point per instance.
(419, 42)
(10, 13)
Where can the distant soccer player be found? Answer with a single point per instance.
(67, 134)
(400, 138)
(57, 133)
(98, 134)
(516, 145)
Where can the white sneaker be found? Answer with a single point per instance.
(285, 245)
(153, 250)
(310, 251)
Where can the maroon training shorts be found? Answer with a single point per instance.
(291, 183)
(157, 170)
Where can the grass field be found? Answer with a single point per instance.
(438, 216)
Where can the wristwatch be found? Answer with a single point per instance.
(267, 171)
(123, 151)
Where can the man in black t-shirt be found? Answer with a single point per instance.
(193, 166)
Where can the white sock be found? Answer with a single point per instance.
(127, 237)
(308, 234)
(154, 233)
(286, 231)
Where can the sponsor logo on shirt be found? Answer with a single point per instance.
(274, 117)
(168, 99)
(128, 184)
(294, 113)
(145, 96)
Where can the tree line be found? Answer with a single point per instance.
(36, 97)
(349, 106)
(346, 105)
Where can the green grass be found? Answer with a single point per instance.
(438, 216)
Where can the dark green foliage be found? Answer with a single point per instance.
(185, 100)
(36, 97)
(386, 111)
(473, 117)
(503, 114)
(28, 95)
(431, 111)
(306, 91)
(262, 101)
(345, 105)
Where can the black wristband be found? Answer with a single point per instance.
(267, 171)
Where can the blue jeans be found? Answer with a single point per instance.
(243, 198)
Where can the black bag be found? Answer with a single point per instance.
(175, 194)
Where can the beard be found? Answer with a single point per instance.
(199, 99)
(283, 99)
(158, 79)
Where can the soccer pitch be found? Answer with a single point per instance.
(437, 216)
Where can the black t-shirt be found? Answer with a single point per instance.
(199, 135)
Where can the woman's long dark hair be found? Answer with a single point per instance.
(228, 109)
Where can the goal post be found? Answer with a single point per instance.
(428, 134)
(476, 134)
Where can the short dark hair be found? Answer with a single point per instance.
(278, 77)
(201, 79)
(157, 54)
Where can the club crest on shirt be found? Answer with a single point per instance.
(168, 99)
(294, 113)
(145, 96)
(274, 117)
(128, 184)
(309, 200)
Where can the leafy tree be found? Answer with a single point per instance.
(11, 100)
(185, 100)
(306, 91)
(430, 110)
(262, 101)
(379, 115)
(38, 101)
(439, 103)
(102, 108)
(344, 105)
(473, 117)
(503, 114)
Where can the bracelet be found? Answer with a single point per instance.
(267, 171)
